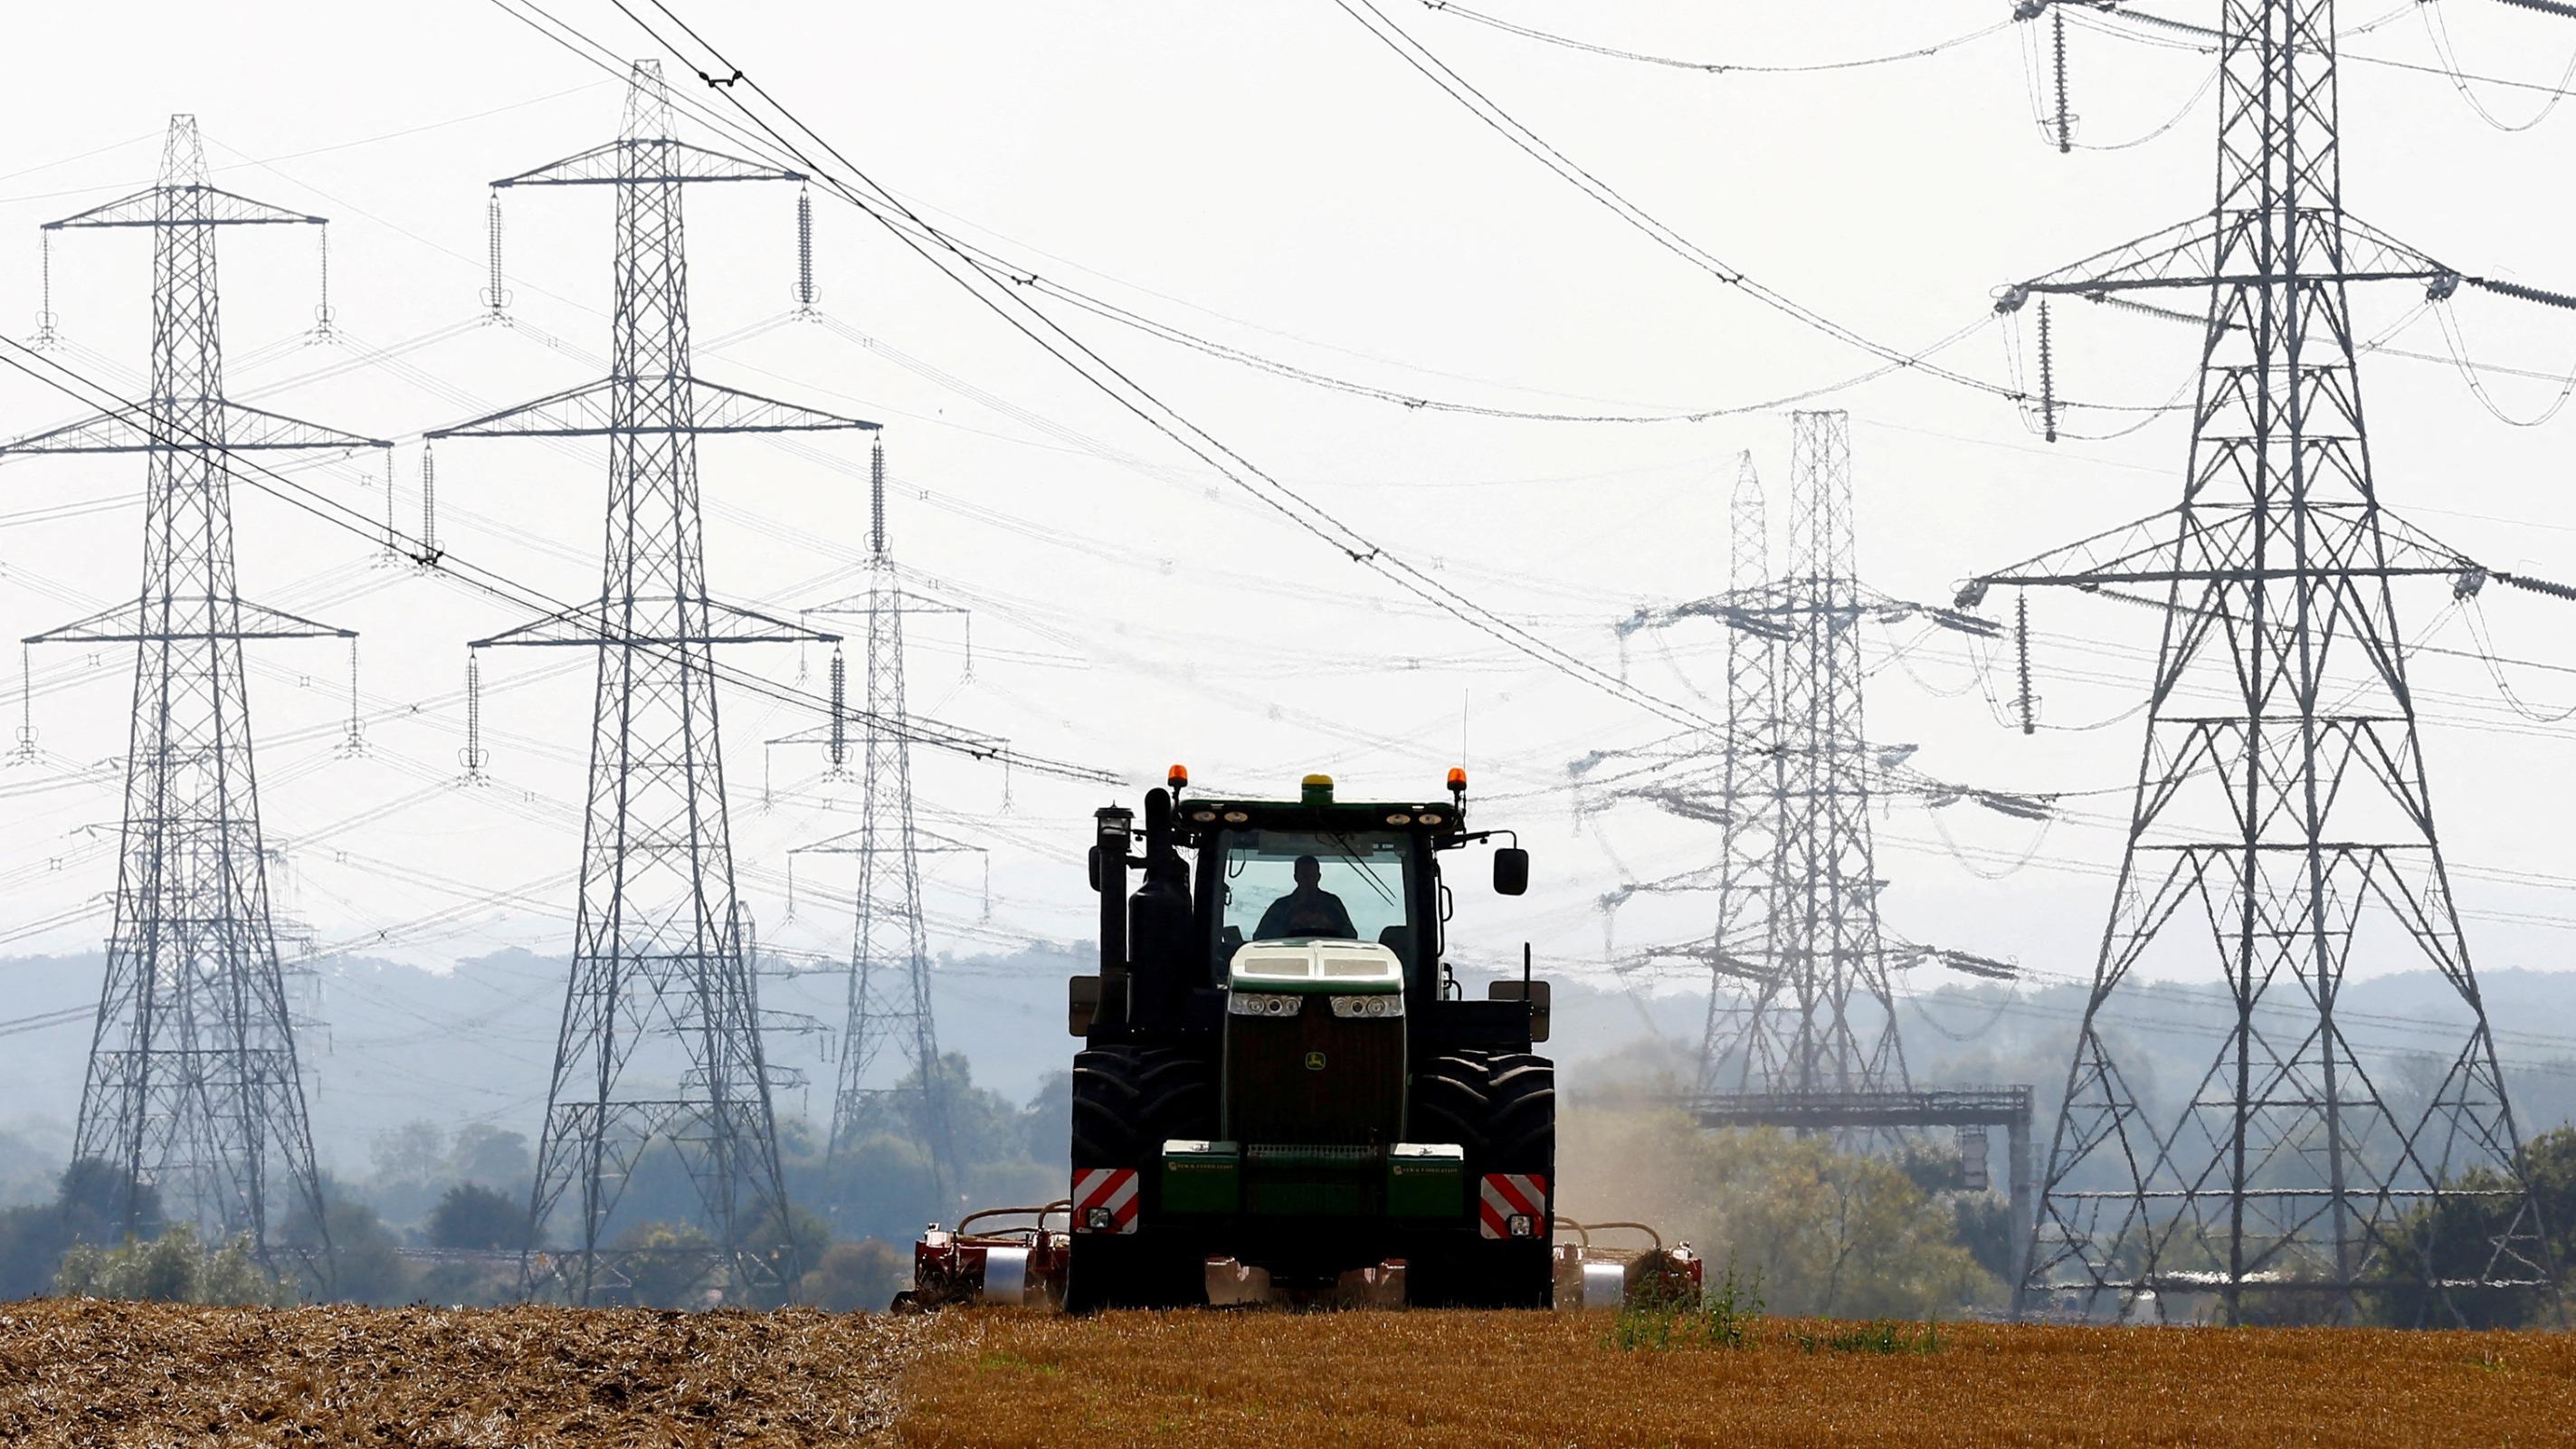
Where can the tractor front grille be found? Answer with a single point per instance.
(1314, 1078)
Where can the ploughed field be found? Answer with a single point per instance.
(128, 1374)
(80, 1373)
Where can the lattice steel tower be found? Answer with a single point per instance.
(1826, 952)
(661, 1028)
(193, 1087)
(1800, 1001)
(2281, 810)
(1740, 945)
(889, 996)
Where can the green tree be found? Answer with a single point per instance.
(2460, 1232)
(790, 1251)
(1827, 1232)
(173, 1268)
(855, 1277)
(93, 1197)
(32, 1241)
(481, 1152)
(364, 1264)
(415, 1152)
(669, 1265)
(472, 1216)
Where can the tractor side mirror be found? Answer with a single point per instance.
(1511, 871)
(1082, 1004)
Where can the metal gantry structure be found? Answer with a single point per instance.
(661, 1037)
(889, 981)
(2282, 811)
(194, 1096)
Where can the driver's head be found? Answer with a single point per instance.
(1308, 872)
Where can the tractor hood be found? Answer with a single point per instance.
(1304, 966)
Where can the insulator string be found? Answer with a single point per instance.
(355, 743)
(2065, 121)
(876, 498)
(26, 753)
(473, 757)
(393, 531)
(804, 250)
(322, 309)
(2021, 646)
(840, 709)
(496, 299)
(46, 336)
(428, 506)
(2047, 377)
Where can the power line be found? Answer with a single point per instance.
(996, 295)
(1714, 67)
(66, 380)
(1503, 123)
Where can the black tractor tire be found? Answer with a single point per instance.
(1128, 1101)
(1500, 1108)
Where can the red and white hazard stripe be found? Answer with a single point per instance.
(1502, 1196)
(1110, 1188)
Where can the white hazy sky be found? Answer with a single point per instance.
(1273, 177)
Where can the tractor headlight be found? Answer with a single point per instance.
(1263, 1003)
(1366, 1006)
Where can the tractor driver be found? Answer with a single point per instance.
(1309, 910)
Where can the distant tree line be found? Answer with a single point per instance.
(464, 1192)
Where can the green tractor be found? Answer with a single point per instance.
(1283, 1092)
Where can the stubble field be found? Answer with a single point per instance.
(75, 1373)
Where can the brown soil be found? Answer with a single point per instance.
(1478, 1381)
(88, 1373)
(79, 1373)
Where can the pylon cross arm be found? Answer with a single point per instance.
(2152, 550)
(2193, 253)
(593, 625)
(242, 429)
(629, 162)
(126, 624)
(918, 729)
(858, 842)
(212, 206)
(589, 411)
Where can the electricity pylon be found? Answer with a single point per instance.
(889, 996)
(193, 1088)
(1739, 982)
(661, 1028)
(1802, 1003)
(1827, 954)
(2282, 811)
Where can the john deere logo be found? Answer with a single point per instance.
(1314, 1061)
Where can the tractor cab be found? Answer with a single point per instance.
(1318, 870)
(1223, 874)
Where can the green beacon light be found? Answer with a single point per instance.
(1317, 790)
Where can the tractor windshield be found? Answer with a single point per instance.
(1340, 885)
